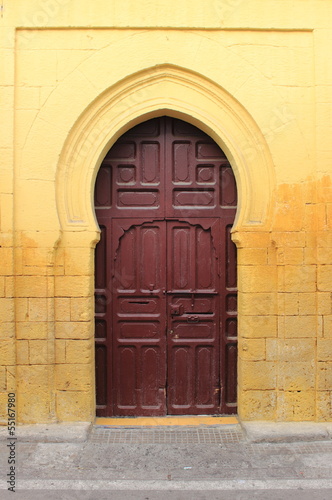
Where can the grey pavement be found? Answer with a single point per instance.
(176, 463)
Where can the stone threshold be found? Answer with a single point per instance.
(165, 421)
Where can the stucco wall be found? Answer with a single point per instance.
(255, 75)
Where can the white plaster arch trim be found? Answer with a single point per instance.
(171, 90)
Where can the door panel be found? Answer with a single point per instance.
(131, 173)
(139, 348)
(165, 168)
(165, 297)
(192, 257)
(139, 322)
(199, 180)
(193, 318)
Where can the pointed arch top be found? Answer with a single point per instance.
(173, 91)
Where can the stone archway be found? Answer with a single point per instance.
(181, 94)
(155, 92)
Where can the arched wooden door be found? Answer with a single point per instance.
(165, 309)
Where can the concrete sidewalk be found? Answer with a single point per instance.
(205, 462)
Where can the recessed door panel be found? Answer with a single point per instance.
(180, 383)
(205, 365)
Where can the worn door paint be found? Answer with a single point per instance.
(139, 319)
(193, 317)
(165, 274)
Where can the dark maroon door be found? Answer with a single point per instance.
(165, 274)
(139, 319)
(193, 317)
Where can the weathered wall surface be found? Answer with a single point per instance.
(256, 75)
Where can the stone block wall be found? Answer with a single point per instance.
(255, 75)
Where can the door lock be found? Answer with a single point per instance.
(192, 319)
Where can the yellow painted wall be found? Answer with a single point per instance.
(254, 74)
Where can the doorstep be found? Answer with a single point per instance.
(165, 421)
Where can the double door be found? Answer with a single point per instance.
(165, 286)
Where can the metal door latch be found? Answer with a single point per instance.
(192, 319)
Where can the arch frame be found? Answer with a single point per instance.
(173, 91)
(157, 91)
